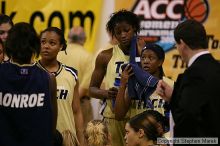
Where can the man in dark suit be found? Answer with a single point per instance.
(195, 98)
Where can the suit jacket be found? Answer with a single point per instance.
(195, 102)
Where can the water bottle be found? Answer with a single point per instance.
(116, 85)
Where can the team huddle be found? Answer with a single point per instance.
(41, 92)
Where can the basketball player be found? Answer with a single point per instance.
(123, 25)
(27, 93)
(70, 121)
(82, 63)
(152, 58)
(5, 25)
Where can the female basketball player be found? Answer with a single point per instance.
(27, 93)
(152, 58)
(70, 122)
(123, 25)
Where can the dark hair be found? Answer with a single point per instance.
(1, 42)
(162, 120)
(22, 43)
(60, 33)
(158, 50)
(123, 16)
(192, 33)
(5, 19)
(142, 121)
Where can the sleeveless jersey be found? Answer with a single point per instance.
(81, 62)
(66, 78)
(114, 71)
(157, 102)
(25, 106)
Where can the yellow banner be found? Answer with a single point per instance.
(62, 14)
(159, 19)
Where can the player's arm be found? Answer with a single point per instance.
(98, 74)
(122, 100)
(78, 118)
(140, 45)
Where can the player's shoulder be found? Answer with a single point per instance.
(105, 54)
(71, 70)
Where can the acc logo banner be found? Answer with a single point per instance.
(62, 14)
(160, 17)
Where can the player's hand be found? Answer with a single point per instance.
(112, 93)
(164, 90)
(126, 74)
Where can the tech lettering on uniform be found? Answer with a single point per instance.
(21, 100)
(62, 92)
